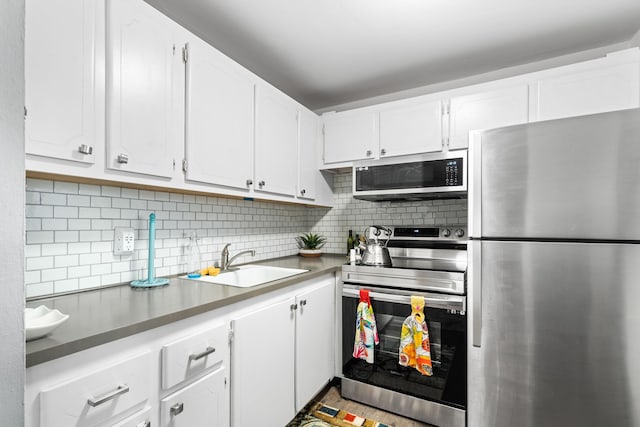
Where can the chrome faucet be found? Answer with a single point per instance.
(225, 261)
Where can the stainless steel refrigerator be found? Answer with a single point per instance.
(554, 273)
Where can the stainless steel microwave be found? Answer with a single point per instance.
(427, 176)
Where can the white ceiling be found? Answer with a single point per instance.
(329, 52)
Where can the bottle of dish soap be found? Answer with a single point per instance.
(192, 256)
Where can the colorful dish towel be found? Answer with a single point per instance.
(366, 330)
(415, 349)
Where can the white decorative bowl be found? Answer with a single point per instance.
(40, 321)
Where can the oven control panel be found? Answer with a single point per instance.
(454, 232)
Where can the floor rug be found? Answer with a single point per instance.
(321, 415)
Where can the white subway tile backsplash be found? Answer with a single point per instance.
(84, 250)
(89, 189)
(54, 274)
(37, 289)
(40, 185)
(54, 224)
(33, 224)
(39, 237)
(40, 263)
(65, 285)
(53, 199)
(37, 211)
(65, 187)
(66, 260)
(66, 236)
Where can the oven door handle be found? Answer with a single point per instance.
(447, 302)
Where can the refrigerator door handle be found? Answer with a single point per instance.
(475, 280)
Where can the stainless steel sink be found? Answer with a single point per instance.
(250, 275)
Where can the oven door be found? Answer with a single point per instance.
(447, 326)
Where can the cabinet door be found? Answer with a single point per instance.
(262, 366)
(314, 341)
(203, 403)
(140, 119)
(588, 92)
(219, 118)
(308, 150)
(349, 136)
(64, 50)
(492, 109)
(276, 142)
(411, 129)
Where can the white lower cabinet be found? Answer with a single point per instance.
(314, 341)
(202, 403)
(98, 397)
(282, 355)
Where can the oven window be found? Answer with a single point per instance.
(447, 336)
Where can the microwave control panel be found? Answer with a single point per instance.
(452, 172)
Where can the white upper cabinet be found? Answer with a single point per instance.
(308, 123)
(350, 135)
(141, 56)
(219, 118)
(486, 110)
(64, 79)
(276, 142)
(597, 86)
(413, 128)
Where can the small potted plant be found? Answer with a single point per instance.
(310, 244)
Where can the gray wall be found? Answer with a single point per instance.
(70, 229)
(12, 230)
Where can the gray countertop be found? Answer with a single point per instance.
(100, 316)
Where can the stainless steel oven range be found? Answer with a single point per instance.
(429, 262)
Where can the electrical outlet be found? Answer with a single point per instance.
(123, 241)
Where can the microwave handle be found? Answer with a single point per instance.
(446, 302)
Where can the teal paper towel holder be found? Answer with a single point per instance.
(151, 281)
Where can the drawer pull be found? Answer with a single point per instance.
(122, 389)
(205, 353)
(176, 409)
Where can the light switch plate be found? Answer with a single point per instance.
(123, 241)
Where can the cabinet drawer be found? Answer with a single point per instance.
(99, 396)
(189, 356)
(203, 403)
(139, 419)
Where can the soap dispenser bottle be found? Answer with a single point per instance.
(193, 256)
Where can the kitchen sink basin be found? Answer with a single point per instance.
(250, 275)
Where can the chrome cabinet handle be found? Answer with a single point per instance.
(85, 149)
(249, 182)
(369, 152)
(146, 423)
(261, 184)
(383, 152)
(294, 307)
(205, 353)
(303, 303)
(123, 158)
(176, 409)
(122, 389)
(303, 191)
